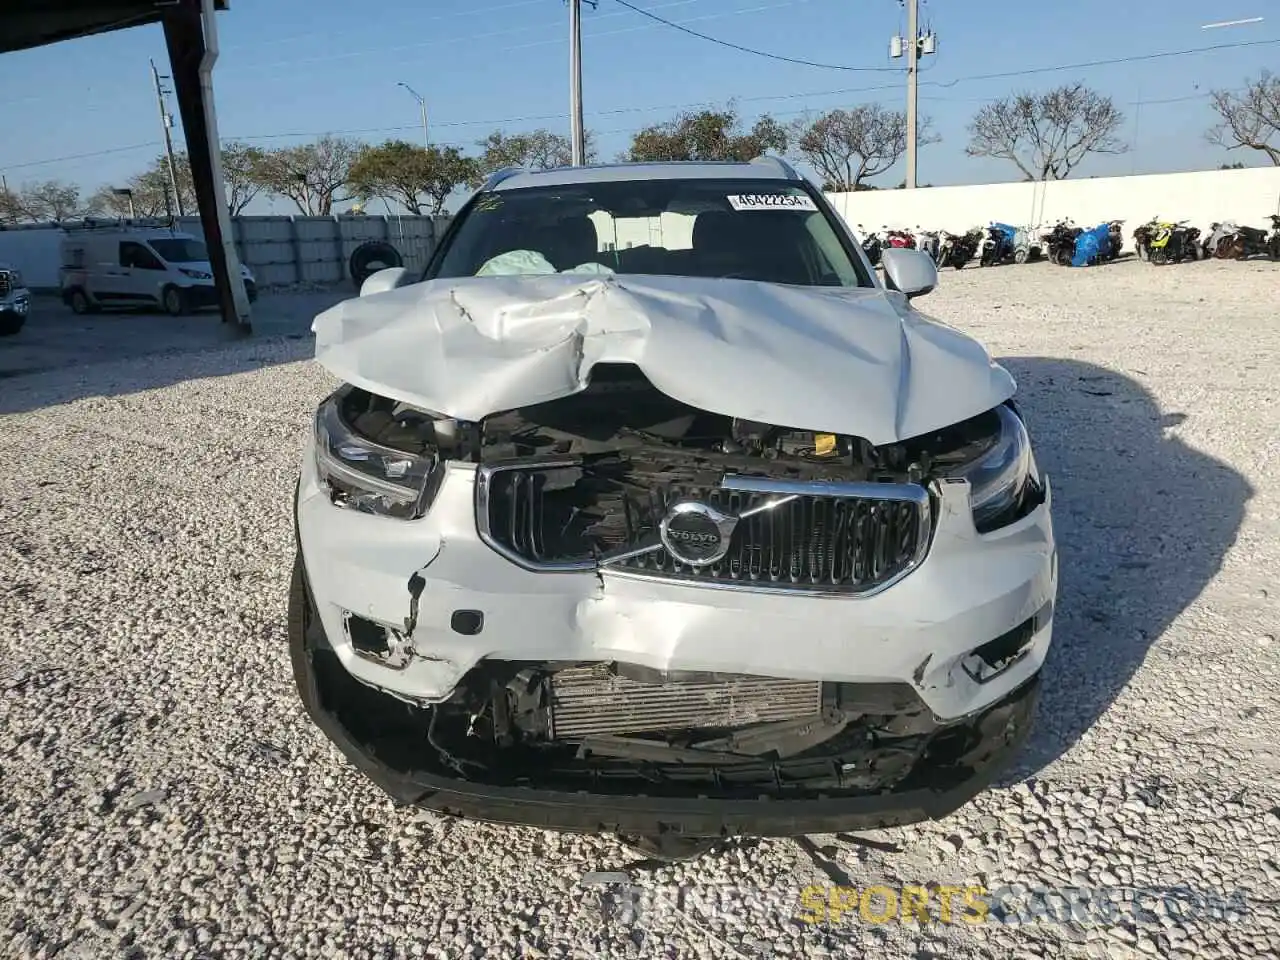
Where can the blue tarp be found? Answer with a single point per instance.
(1091, 245)
(1007, 230)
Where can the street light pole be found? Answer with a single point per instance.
(422, 105)
(577, 134)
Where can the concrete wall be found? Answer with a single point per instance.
(279, 250)
(1244, 196)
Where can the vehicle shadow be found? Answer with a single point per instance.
(60, 357)
(1143, 523)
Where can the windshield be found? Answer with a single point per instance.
(764, 230)
(180, 250)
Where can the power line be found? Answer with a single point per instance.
(750, 50)
(1103, 63)
(678, 106)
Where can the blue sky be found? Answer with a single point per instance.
(292, 69)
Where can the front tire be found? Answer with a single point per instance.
(79, 302)
(174, 301)
(11, 323)
(1020, 256)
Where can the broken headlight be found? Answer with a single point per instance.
(999, 478)
(367, 476)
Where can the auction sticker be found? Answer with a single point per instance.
(771, 201)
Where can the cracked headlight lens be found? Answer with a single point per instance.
(999, 478)
(367, 476)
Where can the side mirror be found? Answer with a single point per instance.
(911, 272)
(384, 280)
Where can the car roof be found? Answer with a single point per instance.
(761, 168)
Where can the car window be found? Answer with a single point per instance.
(133, 254)
(765, 230)
(180, 249)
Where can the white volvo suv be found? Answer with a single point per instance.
(649, 509)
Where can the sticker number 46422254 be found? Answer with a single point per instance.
(771, 201)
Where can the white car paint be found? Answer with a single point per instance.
(857, 361)
(970, 589)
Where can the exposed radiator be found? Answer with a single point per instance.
(590, 700)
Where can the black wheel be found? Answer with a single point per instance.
(79, 302)
(368, 258)
(1273, 248)
(11, 323)
(1160, 256)
(1020, 255)
(174, 301)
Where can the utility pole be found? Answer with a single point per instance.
(916, 45)
(577, 135)
(422, 105)
(166, 122)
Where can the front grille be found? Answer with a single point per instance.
(6, 283)
(590, 700)
(569, 517)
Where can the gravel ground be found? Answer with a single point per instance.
(162, 794)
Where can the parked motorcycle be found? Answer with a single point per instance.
(928, 241)
(963, 248)
(1143, 236)
(871, 245)
(1244, 242)
(998, 247)
(1061, 242)
(1116, 238)
(1217, 232)
(1027, 245)
(1092, 246)
(900, 239)
(1172, 242)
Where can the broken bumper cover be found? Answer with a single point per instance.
(977, 749)
(453, 602)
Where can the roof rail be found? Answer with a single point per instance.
(771, 161)
(93, 223)
(503, 174)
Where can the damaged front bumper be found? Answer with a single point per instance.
(439, 601)
(392, 622)
(926, 772)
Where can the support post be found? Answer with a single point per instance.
(190, 34)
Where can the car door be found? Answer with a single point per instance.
(138, 272)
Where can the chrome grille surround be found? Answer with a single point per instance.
(862, 537)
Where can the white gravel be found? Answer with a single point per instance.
(162, 794)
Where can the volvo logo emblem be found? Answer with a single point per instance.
(696, 534)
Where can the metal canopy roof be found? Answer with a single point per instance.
(33, 23)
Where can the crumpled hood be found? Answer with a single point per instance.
(842, 360)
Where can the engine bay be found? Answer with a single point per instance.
(622, 414)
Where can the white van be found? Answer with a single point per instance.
(112, 265)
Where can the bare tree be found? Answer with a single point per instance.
(241, 168)
(846, 147)
(1046, 136)
(539, 150)
(10, 206)
(313, 175)
(1250, 118)
(50, 200)
(707, 135)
